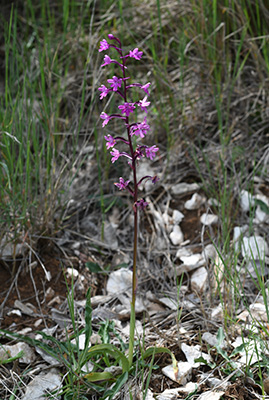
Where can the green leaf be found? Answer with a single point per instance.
(99, 376)
(113, 351)
(264, 207)
(88, 319)
(93, 267)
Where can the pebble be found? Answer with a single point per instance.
(176, 235)
(199, 280)
(209, 219)
(194, 202)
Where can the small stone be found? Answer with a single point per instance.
(194, 202)
(194, 352)
(254, 247)
(15, 312)
(192, 260)
(209, 219)
(81, 341)
(8, 351)
(183, 252)
(177, 217)
(184, 187)
(172, 304)
(209, 252)
(246, 200)
(199, 280)
(213, 202)
(176, 235)
(43, 385)
(72, 272)
(217, 313)
(237, 237)
(211, 395)
(184, 372)
(212, 340)
(119, 281)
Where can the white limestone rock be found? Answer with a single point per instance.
(199, 280)
(183, 375)
(212, 339)
(177, 217)
(8, 351)
(43, 384)
(194, 202)
(194, 352)
(254, 247)
(176, 235)
(184, 187)
(119, 281)
(246, 200)
(211, 395)
(209, 219)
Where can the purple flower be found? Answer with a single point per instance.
(107, 61)
(115, 155)
(136, 54)
(144, 103)
(145, 87)
(103, 45)
(151, 151)
(127, 108)
(122, 185)
(110, 141)
(142, 204)
(104, 91)
(115, 83)
(105, 117)
(140, 129)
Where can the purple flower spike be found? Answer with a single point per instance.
(115, 155)
(115, 83)
(105, 117)
(127, 108)
(142, 204)
(136, 54)
(104, 91)
(122, 185)
(151, 151)
(110, 141)
(103, 45)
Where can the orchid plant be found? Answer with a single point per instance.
(121, 85)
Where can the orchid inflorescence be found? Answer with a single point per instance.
(118, 84)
